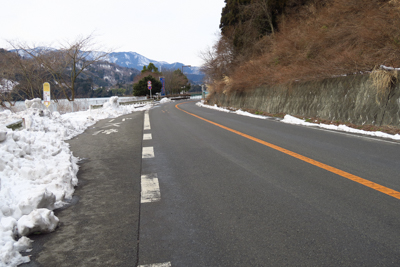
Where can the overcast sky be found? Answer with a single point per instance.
(163, 30)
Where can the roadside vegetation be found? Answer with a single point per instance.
(74, 70)
(175, 81)
(268, 42)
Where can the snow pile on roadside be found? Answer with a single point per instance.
(293, 120)
(343, 128)
(165, 100)
(38, 172)
(200, 104)
(239, 111)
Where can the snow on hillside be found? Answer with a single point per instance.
(38, 172)
(137, 61)
(7, 85)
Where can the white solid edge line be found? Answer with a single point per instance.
(150, 188)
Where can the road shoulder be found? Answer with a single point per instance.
(100, 227)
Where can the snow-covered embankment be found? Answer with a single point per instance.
(38, 172)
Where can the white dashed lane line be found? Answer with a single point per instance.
(150, 188)
(148, 152)
(146, 121)
(165, 264)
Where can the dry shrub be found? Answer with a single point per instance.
(324, 40)
(384, 81)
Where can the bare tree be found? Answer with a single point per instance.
(6, 84)
(218, 60)
(175, 80)
(29, 75)
(66, 63)
(19, 78)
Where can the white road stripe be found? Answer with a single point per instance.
(147, 136)
(96, 133)
(112, 120)
(123, 119)
(165, 264)
(148, 152)
(150, 189)
(146, 121)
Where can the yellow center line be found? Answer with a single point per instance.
(334, 170)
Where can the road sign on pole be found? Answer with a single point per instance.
(149, 86)
(46, 94)
(162, 80)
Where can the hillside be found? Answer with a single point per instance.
(137, 61)
(281, 42)
(22, 77)
(108, 74)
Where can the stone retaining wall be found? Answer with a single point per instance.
(348, 99)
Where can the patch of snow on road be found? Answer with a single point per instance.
(38, 172)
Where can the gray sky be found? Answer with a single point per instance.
(164, 30)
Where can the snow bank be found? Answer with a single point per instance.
(239, 111)
(38, 172)
(388, 68)
(343, 128)
(294, 120)
(165, 100)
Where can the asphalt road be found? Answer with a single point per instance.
(226, 200)
(100, 227)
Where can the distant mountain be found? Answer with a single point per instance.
(137, 61)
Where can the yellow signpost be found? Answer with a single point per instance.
(46, 94)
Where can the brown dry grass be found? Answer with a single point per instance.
(383, 80)
(342, 37)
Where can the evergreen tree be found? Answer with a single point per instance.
(140, 88)
(150, 68)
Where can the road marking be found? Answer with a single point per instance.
(165, 264)
(354, 178)
(112, 120)
(148, 152)
(147, 136)
(110, 131)
(146, 121)
(123, 119)
(96, 133)
(150, 188)
(117, 124)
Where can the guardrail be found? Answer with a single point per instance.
(144, 102)
(137, 102)
(95, 106)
